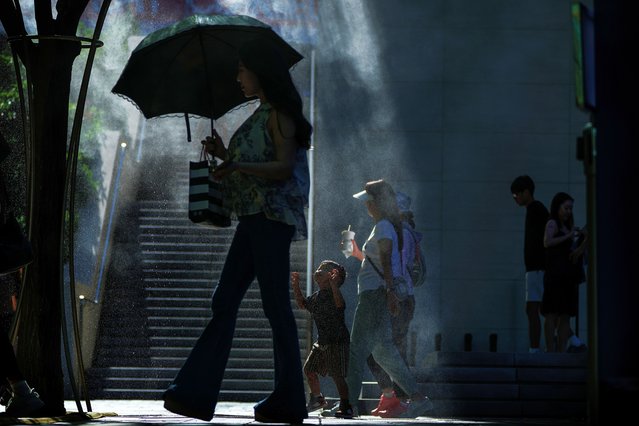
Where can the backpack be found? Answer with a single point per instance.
(418, 270)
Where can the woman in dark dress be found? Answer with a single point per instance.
(564, 272)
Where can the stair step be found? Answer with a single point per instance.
(243, 338)
(195, 237)
(173, 292)
(182, 273)
(150, 374)
(244, 352)
(183, 228)
(467, 374)
(131, 383)
(252, 308)
(200, 322)
(165, 333)
(179, 252)
(175, 264)
(244, 395)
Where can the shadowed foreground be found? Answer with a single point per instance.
(137, 412)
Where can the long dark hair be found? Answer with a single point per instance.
(265, 60)
(555, 205)
(386, 201)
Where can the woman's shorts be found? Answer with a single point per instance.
(534, 286)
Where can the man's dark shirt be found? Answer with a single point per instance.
(534, 252)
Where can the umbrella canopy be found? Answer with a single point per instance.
(190, 67)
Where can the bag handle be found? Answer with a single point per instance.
(374, 267)
(204, 155)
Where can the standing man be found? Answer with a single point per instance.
(523, 190)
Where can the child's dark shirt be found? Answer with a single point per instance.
(329, 319)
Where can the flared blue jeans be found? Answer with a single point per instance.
(260, 248)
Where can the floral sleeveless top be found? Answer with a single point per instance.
(280, 200)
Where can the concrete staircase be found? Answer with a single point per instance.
(492, 384)
(157, 302)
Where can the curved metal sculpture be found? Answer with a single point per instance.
(69, 188)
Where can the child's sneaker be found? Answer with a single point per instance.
(340, 411)
(386, 404)
(316, 402)
(345, 411)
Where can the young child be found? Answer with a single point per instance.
(329, 354)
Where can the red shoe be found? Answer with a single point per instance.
(385, 404)
(395, 411)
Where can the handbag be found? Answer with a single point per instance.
(15, 249)
(205, 195)
(400, 286)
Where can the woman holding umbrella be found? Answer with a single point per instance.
(263, 174)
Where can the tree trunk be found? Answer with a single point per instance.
(39, 350)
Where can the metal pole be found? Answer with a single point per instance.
(311, 196)
(311, 203)
(589, 141)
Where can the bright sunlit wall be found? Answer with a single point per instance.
(449, 101)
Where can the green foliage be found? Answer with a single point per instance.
(12, 168)
(9, 96)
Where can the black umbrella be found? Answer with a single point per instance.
(190, 67)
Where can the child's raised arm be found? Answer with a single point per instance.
(337, 294)
(295, 283)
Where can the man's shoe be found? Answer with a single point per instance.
(24, 405)
(572, 349)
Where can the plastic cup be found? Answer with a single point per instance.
(347, 243)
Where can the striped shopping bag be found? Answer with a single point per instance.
(205, 197)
